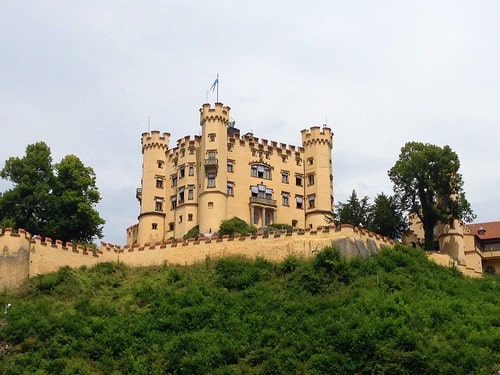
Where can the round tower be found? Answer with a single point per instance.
(152, 193)
(318, 174)
(212, 176)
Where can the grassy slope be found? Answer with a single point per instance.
(394, 313)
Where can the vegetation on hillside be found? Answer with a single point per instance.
(394, 313)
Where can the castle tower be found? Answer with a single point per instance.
(152, 194)
(212, 172)
(318, 189)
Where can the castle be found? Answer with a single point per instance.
(220, 174)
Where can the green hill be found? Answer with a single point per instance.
(395, 313)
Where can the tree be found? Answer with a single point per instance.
(52, 200)
(354, 212)
(427, 183)
(386, 217)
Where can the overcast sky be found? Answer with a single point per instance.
(85, 76)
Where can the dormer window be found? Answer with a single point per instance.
(211, 137)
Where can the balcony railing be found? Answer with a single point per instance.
(211, 163)
(138, 194)
(263, 201)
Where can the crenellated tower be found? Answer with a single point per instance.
(212, 173)
(318, 187)
(152, 193)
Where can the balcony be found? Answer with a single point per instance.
(211, 164)
(138, 194)
(263, 201)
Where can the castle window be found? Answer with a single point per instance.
(173, 201)
(191, 170)
(181, 195)
(180, 218)
(230, 188)
(230, 166)
(310, 161)
(182, 152)
(298, 180)
(210, 205)
(261, 171)
(174, 180)
(284, 177)
(311, 199)
(254, 152)
(212, 154)
(154, 226)
(310, 179)
(298, 200)
(158, 204)
(261, 191)
(230, 147)
(298, 161)
(211, 180)
(182, 172)
(285, 199)
(159, 182)
(211, 137)
(171, 226)
(268, 155)
(159, 163)
(191, 150)
(190, 192)
(284, 158)
(190, 217)
(294, 223)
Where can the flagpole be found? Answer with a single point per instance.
(217, 86)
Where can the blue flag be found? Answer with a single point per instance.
(216, 82)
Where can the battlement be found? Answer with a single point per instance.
(218, 113)
(317, 134)
(266, 145)
(154, 140)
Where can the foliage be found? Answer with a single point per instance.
(384, 216)
(427, 183)
(235, 225)
(281, 226)
(354, 211)
(393, 313)
(194, 232)
(56, 201)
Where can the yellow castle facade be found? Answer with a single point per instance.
(221, 174)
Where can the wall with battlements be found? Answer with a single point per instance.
(23, 256)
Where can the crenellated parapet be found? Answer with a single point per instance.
(218, 113)
(316, 134)
(261, 144)
(155, 140)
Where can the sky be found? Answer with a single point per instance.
(89, 77)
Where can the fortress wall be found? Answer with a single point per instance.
(22, 257)
(14, 258)
(48, 256)
(274, 247)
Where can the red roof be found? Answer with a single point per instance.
(491, 230)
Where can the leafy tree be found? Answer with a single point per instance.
(427, 183)
(354, 211)
(52, 200)
(386, 217)
(235, 225)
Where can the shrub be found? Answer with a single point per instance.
(194, 232)
(235, 225)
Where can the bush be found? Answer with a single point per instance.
(235, 225)
(194, 232)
